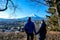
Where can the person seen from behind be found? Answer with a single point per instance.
(30, 29)
(42, 31)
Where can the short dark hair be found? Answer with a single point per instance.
(29, 18)
(43, 21)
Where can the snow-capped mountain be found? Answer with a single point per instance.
(33, 17)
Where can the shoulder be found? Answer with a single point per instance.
(26, 23)
(32, 22)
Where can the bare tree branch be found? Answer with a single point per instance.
(39, 2)
(5, 6)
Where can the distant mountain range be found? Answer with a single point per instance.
(34, 17)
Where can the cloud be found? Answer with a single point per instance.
(4, 15)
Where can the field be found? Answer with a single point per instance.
(51, 35)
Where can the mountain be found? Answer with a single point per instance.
(6, 20)
(33, 17)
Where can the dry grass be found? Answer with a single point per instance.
(22, 36)
(53, 35)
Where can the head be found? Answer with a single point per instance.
(43, 21)
(29, 19)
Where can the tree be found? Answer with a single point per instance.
(9, 5)
(53, 22)
(6, 6)
(54, 7)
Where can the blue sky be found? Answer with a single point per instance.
(24, 9)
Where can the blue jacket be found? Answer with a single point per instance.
(29, 27)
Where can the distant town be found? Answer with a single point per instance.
(12, 25)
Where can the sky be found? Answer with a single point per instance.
(24, 8)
